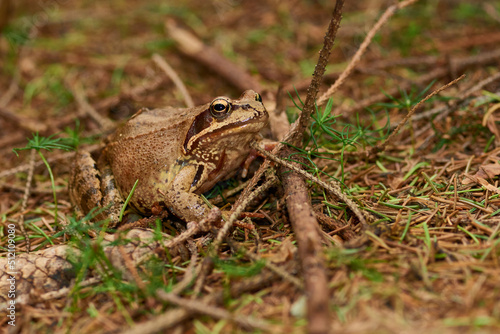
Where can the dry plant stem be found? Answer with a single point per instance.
(395, 91)
(129, 263)
(133, 93)
(206, 266)
(12, 90)
(295, 135)
(299, 207)
(228, 193)
(62, 156)
(170, 72)
(381, 147)
(200, 307)
(274, 268)
(191, 46)
(20, 221)
(491, 11)
(65, 291)
(333, 188)
(454, 65)
(190, 270)
(174, 317)
(362, 49)
(480, 85)
(193, 228)
(445, 110)
(236, 213)
(453, 105)
(79, 94)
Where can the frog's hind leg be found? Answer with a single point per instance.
(84, 183)
(86, 188)
(111, 197)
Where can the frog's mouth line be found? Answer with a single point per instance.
(227, 131)
(240, 127)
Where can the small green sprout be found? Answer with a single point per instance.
(46, 143)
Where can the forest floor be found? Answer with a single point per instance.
(427, 258)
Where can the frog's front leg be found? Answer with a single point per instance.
(179, 198)
(92, 187)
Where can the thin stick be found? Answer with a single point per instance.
(193, 47)
(296, 133)
(206, 266)
(20, 221)
(382, 146)
(170, 72)
(362, 49)
(238, 210)
(334, 189)
(85, 107)
(213, 311)
(12, 90)
(269, 265)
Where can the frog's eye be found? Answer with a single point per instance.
(220, 108)
(258, 98)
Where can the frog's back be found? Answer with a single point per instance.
(148, 144)
(147, 121)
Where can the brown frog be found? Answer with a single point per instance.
(175, 154)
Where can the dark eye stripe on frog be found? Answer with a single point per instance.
(197, 177)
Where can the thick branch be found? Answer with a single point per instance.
(304, 223)
(310, 253)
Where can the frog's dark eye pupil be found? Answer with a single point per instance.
(219, 107)
(258, 98)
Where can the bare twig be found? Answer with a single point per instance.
(300, 211)
(79, 94)
(170, 72)
(193, 47)
(491, 11)
(12, 90)
(381, 147)
(453, 105)
(333, 188)
(190, 270)
(67, 290)
(238, 210)
(174, 317)
(362, 49)
(215, 312)
(193, 228)
(20, 221)
(206, 266)
(272, 267)
(228, 193)
(296, 133)
(61, 156)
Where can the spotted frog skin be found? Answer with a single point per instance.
(175, 154)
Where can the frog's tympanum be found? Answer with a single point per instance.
(175, 154)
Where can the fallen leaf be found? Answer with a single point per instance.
(489, 171)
